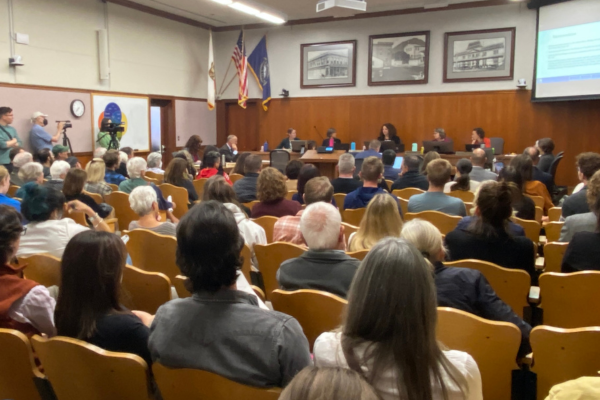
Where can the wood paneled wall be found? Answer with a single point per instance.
(574, 126)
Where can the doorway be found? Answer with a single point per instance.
(162, 128)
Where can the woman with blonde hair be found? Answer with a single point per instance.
(96, 169)
(381, 219)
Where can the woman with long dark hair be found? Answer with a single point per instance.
(73, 190)
(307, 172)
(524, 165)
(388, 132)
(462, 181)
(176, 174)
(521, 204)
(193, 147)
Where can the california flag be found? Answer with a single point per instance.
(212, 79)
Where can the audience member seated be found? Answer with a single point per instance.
(217, 189)
(371, 173)
(479, 173)
(523, 164)
(154, 161)
(73, 190)
(30, 172)
(4, 186)
(25, 305)
(523, 206)
(74, 162)
(583, 251)
(287, 229)
(583, 222)
(176, 174)
(47, 230)
(381, 220)
(429, 157)
(372, 151)
(323, 267)
(89, 305)
(239, 164)
(211, 166)
(397, 351)
(462, 181)
(389, 172)
(136, 167)
(249, 345)
(111, 160)
(292, 170)
(45, 158)
(410, 176)
(488, 237)
(60, 152)
(245, 188)
(271, 191)
(144, 203)
(329, 383)
(546, 146)
(345, 182)
(462, 288)
(307, 172)
(584, 388)
(191, 169)
(96, 170)
(538, 175)
(434, 199)
(478, 138)
(11, 156)
(125, 154)
(58, 173)
(19, 160)
(99, 152)
(587, 165)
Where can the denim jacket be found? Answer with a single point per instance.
(226, 333)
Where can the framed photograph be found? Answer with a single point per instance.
(486, 55)
(326, 65)
(399, 59)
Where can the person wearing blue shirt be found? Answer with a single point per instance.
(111, 160)
(371, 172)
(4, 185)
(373, 151)
(38, 137)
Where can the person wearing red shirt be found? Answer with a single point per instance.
(212, 163)
(478, 137)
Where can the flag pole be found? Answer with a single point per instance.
(225, 77)
(229, 84)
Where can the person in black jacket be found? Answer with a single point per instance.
(388, 132)
(546, 146)
(286, 143)
(176, 174)
(587, 165)
(331, 138)
(229, 149)
(345, 182)
(410, 176)
(462, 288)
(245, 188)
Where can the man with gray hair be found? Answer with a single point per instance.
(58, 172)
(322, 267)
(229, 149)
(479, 174)
(20, 160)
(155, 163)
(99, 152)
(346, 183)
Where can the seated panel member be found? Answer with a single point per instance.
(410, 176)
(229, 149)
(372, 151)
(286, 143)
(388, 132)
(439, 135)
(478, 137)
(331, 138)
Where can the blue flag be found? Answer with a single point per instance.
(258, 62)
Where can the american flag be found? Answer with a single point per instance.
(241, 64)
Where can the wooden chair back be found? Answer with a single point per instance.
(179, 284)
(353, 217)
(270, 257)
(123, 212)
(349, 230)
(235, 177)
(561, 355)
(532, 228)
(267, 223)
(493, 345)
(511, 285)
(157, 178)
(199, 186)
(42, 268)
(259, 293)
(195, 384)
(553, 231)
(17, 367)
(359, 255)
(115, 188)
(180, 198)
(251, 204)
(539, 213)
(444, 222)
(79, 370)
(247, 265)
(407, 193)
(568, 299)
(12, 190)
(78, 217)
(403, 205)
(537, 200)
(554, 214)
(150, 180)
(290, 194)
(389, 184)
(143, 290)
(97, 197)
(315, 310)
(464, 195)
(339, 201)
(150, 251)
(553, 256)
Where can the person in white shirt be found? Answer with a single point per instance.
(389, 331)
(154, 161)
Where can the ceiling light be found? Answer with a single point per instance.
(244, 8)
(226, 2)
(271, 18)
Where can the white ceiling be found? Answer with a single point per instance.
(218, 15)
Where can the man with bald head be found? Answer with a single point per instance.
(479, 174)
(539, 175)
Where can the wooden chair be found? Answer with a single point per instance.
(259, 292)
(403, 205)
(539, 213)
(339, 201)
(251, 204)
(235, 177)
(349, 230)
(353, 217)
(199, 186)
(466, 196)
(157, 178)
(553, 256)
(42, 268)
(532, 228)
(97, 197)
(407, 193)
(79, 370)
(493, 345)
(114, 187)
(359, 254)
(270, 257)
(78, 217)
(554, 214)
(247, 265)
(290, 194)
(267, 223)
(179, 284)
(444, 222)
(569, 300)
(144, 291)
(315, 310)
(150, 180)
(179, 196)
(553, 231)
(123, 212)
(150, 251)
(511, 285)
(195, 384)
(560, 355)
(17, 367)
(389, 184)
(537, 200)
(12, 190)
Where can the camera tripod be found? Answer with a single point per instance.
(67, 141)
(114, 142)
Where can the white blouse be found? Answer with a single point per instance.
(328, 353)
(35, 308)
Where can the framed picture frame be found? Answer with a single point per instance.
(483, 55)
(399, 59)
(325, 65)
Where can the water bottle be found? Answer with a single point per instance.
(415, 147)
(352, 146)
(266, 146)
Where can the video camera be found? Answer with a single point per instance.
(67, 124)
(113, 128)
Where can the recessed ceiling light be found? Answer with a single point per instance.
(226, 2)
(271, 18)
(244, 8)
